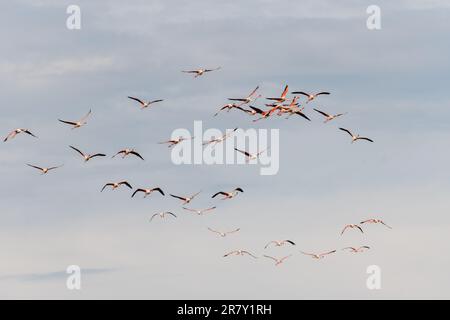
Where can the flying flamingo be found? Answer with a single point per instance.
(162, 215)
(145, 104)
(115, 185)
(248, 99)
(357, 250)
(228, 195)
(318, 256)
(77, 124)
(200, 211)
(44, 170)
(173, 142)
(253, 111)
(147, 191)
(311, 97)
(200, 72)
(249, 156)
(375, 221)
(240, 253)
(327, 116)
(227, 107)
(282, 98)
(88, 157)
(279, 243)
(186, 200)
(224, 234)
(352, 226)
(126, 152)
(15, 132)
(278, 261)
(355, 137)
(221, 138)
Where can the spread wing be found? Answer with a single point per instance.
(346, 130)
(136, 154)
(136, 99)
(77, 150)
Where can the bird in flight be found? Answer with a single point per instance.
(88, 157)
(126, 152)
(115, 185)
(224, 234)
(173, 142)
(77, 124)
(318, 256)
(145, 104)
(250, 98)
(186, 200)
(44, 170)
(357, 250)
(327, 116)
(375, 221)
(228, 107)
(239, 253)
(199, 211)
(200, 72)
(15, 132)
(311, 96)
(162, 215)
(278, 261)
(352, 226)
(279, 243)
(282, 98)
(228, 195)
(253, 111)
(221, 138)
(355, 137)
(249, 156)
(147, 191)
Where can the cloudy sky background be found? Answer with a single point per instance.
(393, 83)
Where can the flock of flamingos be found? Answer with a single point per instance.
(282, 105)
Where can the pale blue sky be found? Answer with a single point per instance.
(393, 83)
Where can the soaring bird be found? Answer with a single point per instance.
(147, 191)
(221, 138)
(228, 195)
(200, 211)
(186, 200)
(15, 132)
(318, 256)
(352, 226)
(249, 156)
(355, 137)
(224, 234)
(253, 111)
(77, 124)
(145, 104)
(162, 215)
(357, 250)
(173, 142)
(88, 157)
(44, 170)
(278, 261)
(311, 96)
(126, 152)
(115, 185)
(200, 72)
(228, 107)
(240, 253)
(251, 97)
(328, 117)
(375, 221)
(279, 243)
(282, 98)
